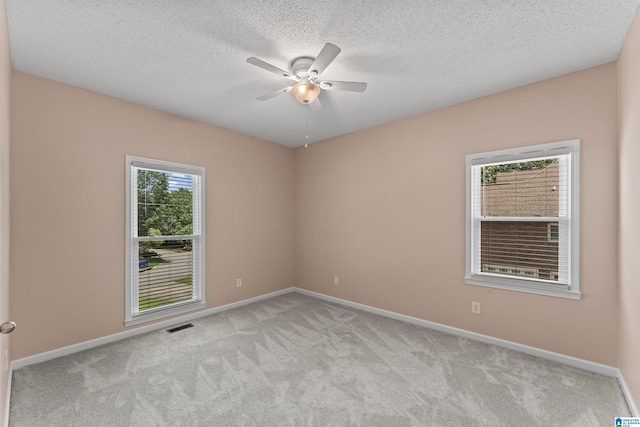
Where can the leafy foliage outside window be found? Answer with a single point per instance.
(490, 173)
(163, 210)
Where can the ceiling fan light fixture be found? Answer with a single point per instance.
(305, 92)
(306, 71)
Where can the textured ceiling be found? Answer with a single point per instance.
(188, 57)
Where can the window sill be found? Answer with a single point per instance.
(156, 315)
(517, 287)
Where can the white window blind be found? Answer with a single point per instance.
(165, 273)
(522, 218)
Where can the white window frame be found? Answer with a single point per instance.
(132, 316)
(570, 284)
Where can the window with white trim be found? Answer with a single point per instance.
(522, 229)
(165, 239)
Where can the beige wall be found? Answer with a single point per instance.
(68, 150)
(5, 82)
(629, 231)
(384, 209)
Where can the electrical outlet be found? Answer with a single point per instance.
(238, 283)
(336, 280)
(475, 307)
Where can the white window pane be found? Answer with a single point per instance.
(165, 273)
(164, 203)
(520, 189)
(519, 248)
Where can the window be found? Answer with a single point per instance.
(165, 239)
(552, 232)
(522, 219)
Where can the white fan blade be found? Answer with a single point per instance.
(348, 86)
(315, 105)
(266, 66)
(324, 58)
(274, 94)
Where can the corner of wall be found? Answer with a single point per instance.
(628, 102)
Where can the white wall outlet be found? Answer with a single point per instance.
(238, 283)
(475, 307)
(336, 280)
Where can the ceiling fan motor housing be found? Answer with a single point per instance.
(300, 67)
(306, 91)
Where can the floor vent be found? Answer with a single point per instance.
(179, 328)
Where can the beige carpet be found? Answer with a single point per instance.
(294, 360)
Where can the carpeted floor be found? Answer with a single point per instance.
(294, 360)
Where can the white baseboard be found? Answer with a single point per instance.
(627, 395)
(75, 348)
(533, 351)
(586, 365)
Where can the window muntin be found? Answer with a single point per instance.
(522, 219)
(165, 273)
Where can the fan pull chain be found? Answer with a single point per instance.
(306, 127)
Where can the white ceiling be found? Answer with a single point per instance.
(188, 57)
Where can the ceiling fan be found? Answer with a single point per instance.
(305, 71)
